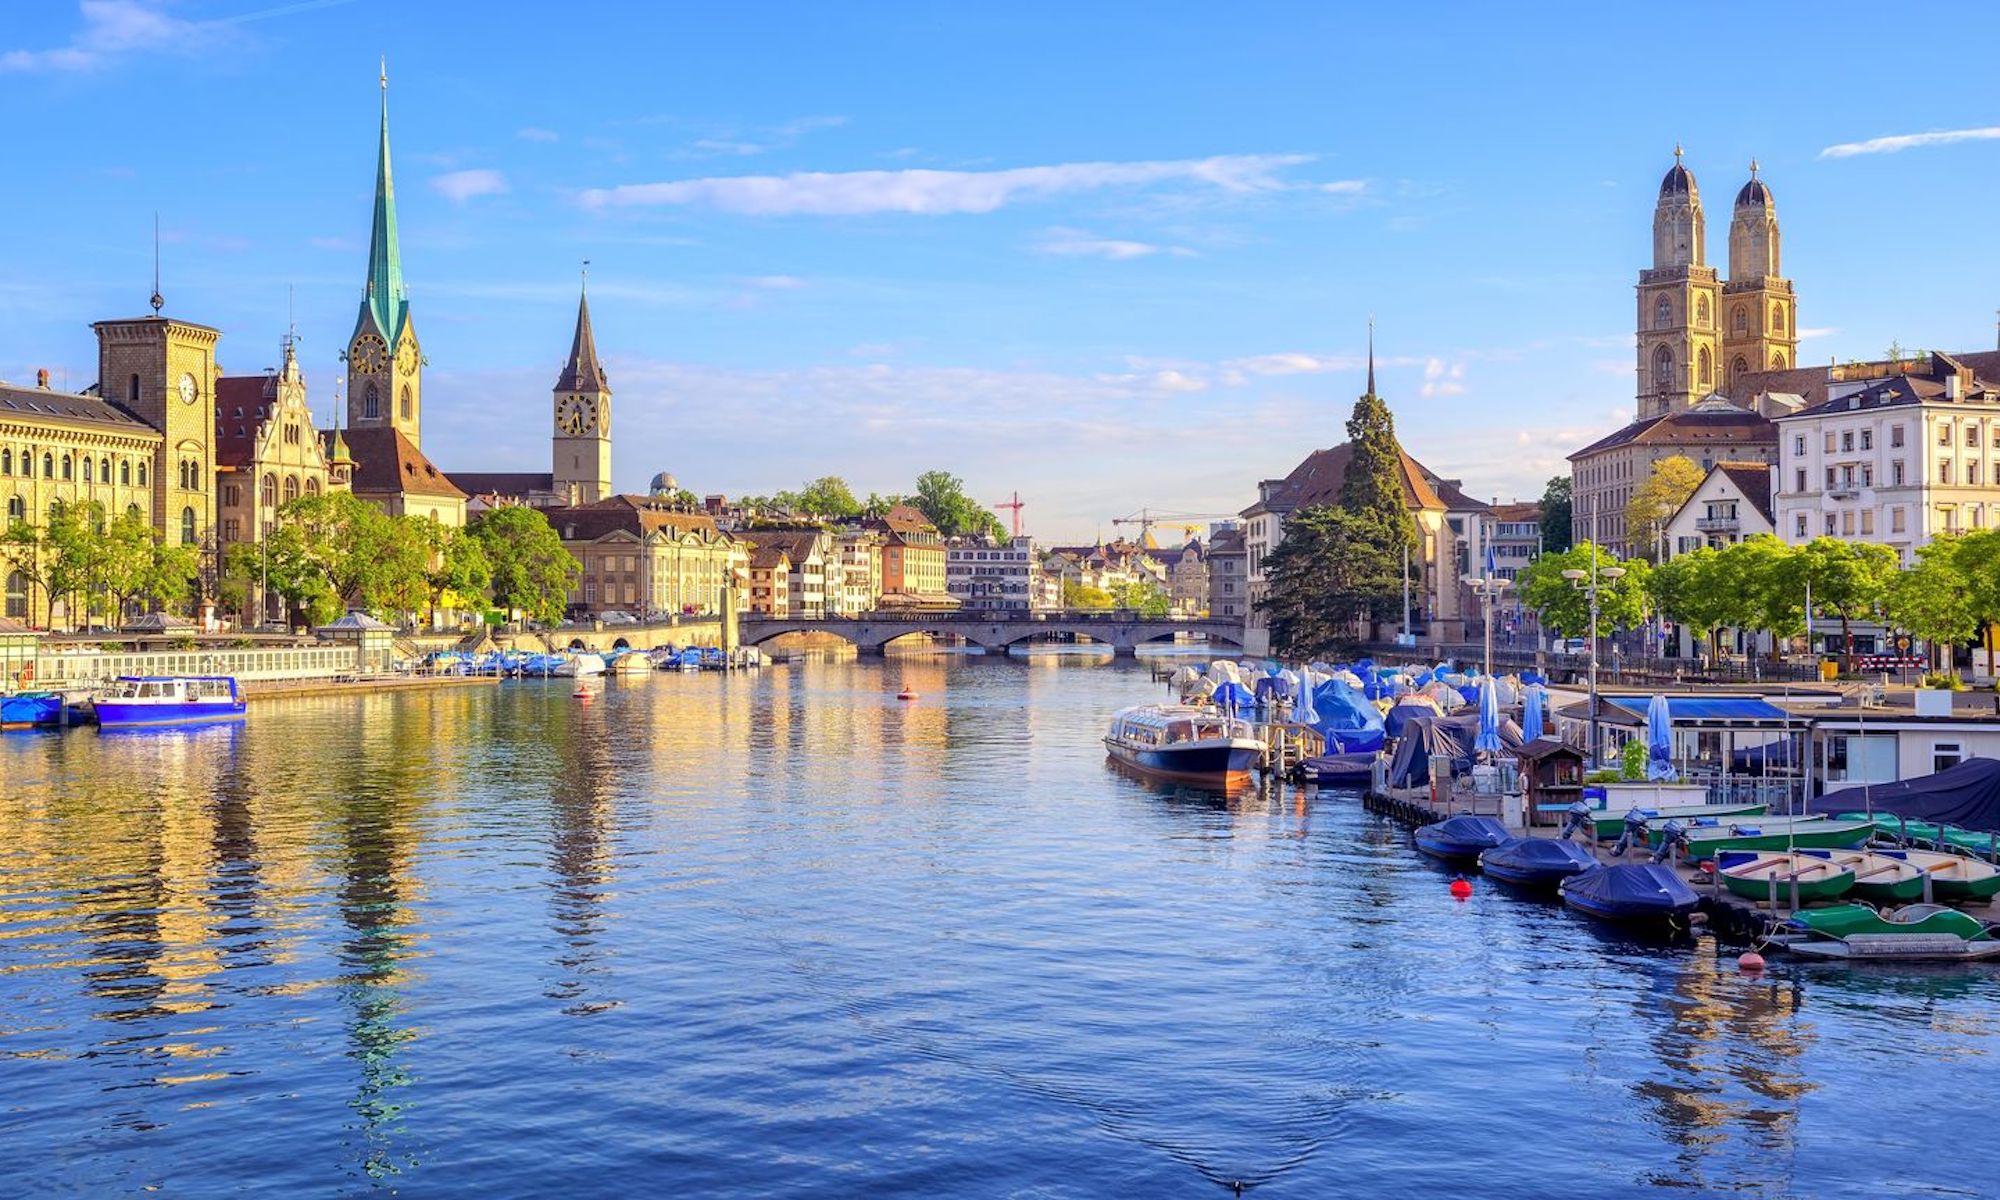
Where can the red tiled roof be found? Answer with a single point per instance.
(1318, 479)
(636, 515)
(386, 463)
(240, 406)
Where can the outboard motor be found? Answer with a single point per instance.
(1672, 836)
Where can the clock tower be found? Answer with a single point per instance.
(384, 362)
(582, 442)
(163, 372)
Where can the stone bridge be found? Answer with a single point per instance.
(994, 632)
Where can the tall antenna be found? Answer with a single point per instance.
(291, 320)
(586, 275)
(158, 301)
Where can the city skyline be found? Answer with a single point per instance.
(795, 273)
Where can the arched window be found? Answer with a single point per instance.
(48, 465)
(6, 462)
(125, 472)
(406, 402)
(1701, 311)
(89, 471)
(142, 474)
(1663, 370)
(1703, 368)
(312, 487)
(1777, 318)
(268, 495)
(182, 464)
(69, 468)
(187, 527)
(104, 469)
(1663, 313)
(372, 403)
(17, 509)
(1741, 317)
(132, 394)
(291, 487)
(17, 595)
(1738, 369)
(1777, 361)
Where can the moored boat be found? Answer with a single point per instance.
(31, 710)
(136, 700)
(1773, 833)
(579, 665)
(1915, 931)
(1456, 838)
(1632, 892)
(1878, 878)
(1537, 861)
(1955, 878)
(1751, 874)
(1608, 824)
(1182, 742)
(631, 662)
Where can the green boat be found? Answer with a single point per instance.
(1955, 878)
(1609, 825)
(1987, 844)
(1892, 826)
(1775, 833)
(1879, 878)
(1915, 931)
(1750, 875)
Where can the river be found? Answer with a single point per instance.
(783, 934)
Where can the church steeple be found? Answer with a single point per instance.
(1371, 357)
(384, 362)
(385, 301)
(581, 371)
(581, 446)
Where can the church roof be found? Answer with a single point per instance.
(1679, 181)
(385, 304)
(386, 462)
(581, 371)
(1318, 479)
(1754, 195)
(1717, 424)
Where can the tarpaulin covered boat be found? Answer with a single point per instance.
(1631, 892)
(1537, 861)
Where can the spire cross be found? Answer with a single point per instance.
(586, 274)
(1677, 154)
(1371, 354)
(385, 72)
(1753, 168)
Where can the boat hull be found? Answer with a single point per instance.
(1608, 825)
(1809, 835)
(112, 714)
(1813, 878)
(1637, 894)
(1187, 764)
(31, 710)
(1954, 877)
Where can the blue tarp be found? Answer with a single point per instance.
(1540, 854)
(1967, 795)
(1632, 890)
(1704, 708)
(1401, 715)
(1346, 718)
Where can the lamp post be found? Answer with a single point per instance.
(1588, 582)
(1487, 587)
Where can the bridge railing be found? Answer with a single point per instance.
(998, 616)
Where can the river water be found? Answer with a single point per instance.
(782, 934)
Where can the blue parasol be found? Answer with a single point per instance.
(1531, 713)
(1489, 717)
(1660, 741)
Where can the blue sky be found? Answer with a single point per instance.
(1110, 255)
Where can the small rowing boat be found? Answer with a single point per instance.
(1608, 824)
(1751, 875)
(1878, 878)
(1915, 931)
(1772, 833)
(1955, 878)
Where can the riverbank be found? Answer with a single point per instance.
(272, 689)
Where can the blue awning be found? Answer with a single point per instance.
(1750, 711)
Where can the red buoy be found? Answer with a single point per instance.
(906, 694)
(1750, 961)
(1461, 889)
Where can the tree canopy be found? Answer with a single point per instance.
(1657, 498)
(531, 572)
(1558, 504)
(1622, 603)
(1372, 489)
(942, 498)
(1334, 570)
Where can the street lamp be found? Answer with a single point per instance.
(1588, 582)
(1488, 588)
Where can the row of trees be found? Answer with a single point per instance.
(96, 566)
(1760, 584)
(1340, 566)
(333, 552)
(939, 495)
(1142, 596)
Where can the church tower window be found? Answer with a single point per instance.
(1701, 311)
(1742, 319)
(405, 403)
(1703, 367)
(1663, 313)
(1738, 369)
(372, 403)
(1777, 318)
(1663, 370)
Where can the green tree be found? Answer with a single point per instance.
(1848, 579)
(1558, 504)
(1657, 498)
(1622, 603)
(458, 566)
(21, 550)
(829, 497)
(1932, 599)
(1334, 570)
(532, 571)
(1081, 595)
(877, 505)
(1144, 597)
(335, 551)
(941, 497)
(1372, 489)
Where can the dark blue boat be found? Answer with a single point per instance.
(1631, 892)
(1344, 769)
(31, 710)
(1461, 837)
(1537, 861)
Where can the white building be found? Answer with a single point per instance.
(994, 577)
(854, 573)
(1732, 503)
(1896, 460)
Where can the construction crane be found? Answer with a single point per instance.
(1146, 518)
(1015, 503)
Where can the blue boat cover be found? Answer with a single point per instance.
(1541, 854)
(1469, 831)
(1967, 795)
(1349, 722)
(1633, 888)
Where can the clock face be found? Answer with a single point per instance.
(187, 389)
(406, 356)
(370, 354)
(573, 417)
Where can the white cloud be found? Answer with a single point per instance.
(1292, 363)
(1909, 141)
(1344, 187)
(1442, 380)
(1177, 381)
(533, 133)
(460, 186)
(1076, 243)
(1816, 331)
(763, 140)
(775, 283)
(115, 28)
(930, 192)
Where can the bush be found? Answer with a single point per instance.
(185, 643)
(1632, 761)
(1946, 680)
(112, 647)
(243, 643)
(1605, 775)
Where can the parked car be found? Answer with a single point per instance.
(614, 617)
(1578, 646)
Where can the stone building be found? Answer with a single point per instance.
(990, 576)
(1515, 533)
(913, 557)
(1604, 473)
(1228, 583)
(267, 453)
(812, 564)
(648, 557)
(770, 582)
(1732, 502)
(858, 553)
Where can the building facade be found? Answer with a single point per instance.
(1228, 578)
(997, 577)
(1732, 503)
(810, 558)
(1604, 473)
(645, 556)
(857, 584)
(913, 556)
(1515, 533)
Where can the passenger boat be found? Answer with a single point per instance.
(1772, 833)
(1750, 874)
(631, 662)
(1456, 838)
(1537, 861)
(1878, 878)
(1182, 742)
(1609, 824)
(1954, 877)
(31, 710)
(579, 665)
(168, 700)
(1913, 932)
(1631, 892)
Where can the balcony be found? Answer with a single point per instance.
(1716, 524)
(1846, 491)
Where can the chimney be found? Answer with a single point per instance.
(1954, 386)
(42, 379)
